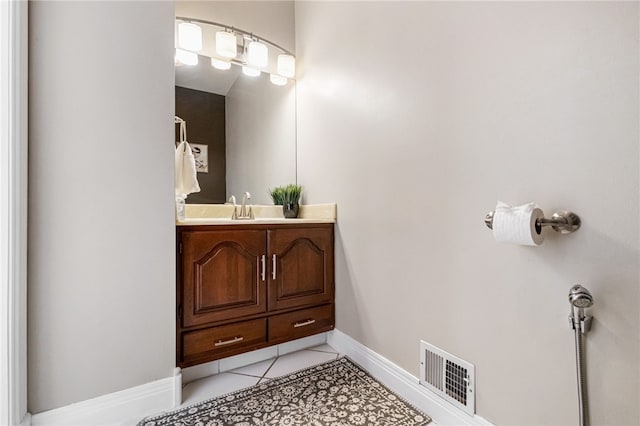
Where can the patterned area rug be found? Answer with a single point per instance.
(337, 393)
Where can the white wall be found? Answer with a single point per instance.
(415, 118)
(101, 226)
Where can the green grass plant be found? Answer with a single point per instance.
(289, 194)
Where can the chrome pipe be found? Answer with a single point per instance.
(581, 376)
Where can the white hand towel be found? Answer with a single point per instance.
(186, 176)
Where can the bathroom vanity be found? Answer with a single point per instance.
(242, 286)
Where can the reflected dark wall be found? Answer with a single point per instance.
(205, 116)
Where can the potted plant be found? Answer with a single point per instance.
(288, 197)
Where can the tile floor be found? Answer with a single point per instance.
(230, 381)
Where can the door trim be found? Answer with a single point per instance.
(13, 211)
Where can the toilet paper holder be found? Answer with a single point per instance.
(562, 221)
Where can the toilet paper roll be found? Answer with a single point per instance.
(517, 225)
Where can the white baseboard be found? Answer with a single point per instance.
(247, 358)
(26, 420)
(177, 387)
(190, 374)
(130, 405)
(125, 407)
(302, 343)
(401, 382)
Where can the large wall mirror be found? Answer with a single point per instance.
(242, 129)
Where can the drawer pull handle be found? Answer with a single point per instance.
(303, 323)
(228, 342)
(264, 267)
(273, 263)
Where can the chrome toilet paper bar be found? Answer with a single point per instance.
(562, 221)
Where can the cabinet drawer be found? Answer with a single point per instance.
(219, 342)
(305, 322)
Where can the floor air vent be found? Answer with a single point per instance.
(448, 376)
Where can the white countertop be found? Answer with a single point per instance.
(260, 221)
(220, 214)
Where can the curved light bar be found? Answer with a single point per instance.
(253, 57)
(235, 30)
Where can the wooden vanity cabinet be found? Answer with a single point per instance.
(243, 287)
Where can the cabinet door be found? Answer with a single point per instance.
(301, 261)
(222, 275)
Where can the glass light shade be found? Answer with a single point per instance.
(186, 57)
(278, 80)
(226, 44)
(189, 36)
(250, 71)
(220, 65)
(287, 65)
(258, 54)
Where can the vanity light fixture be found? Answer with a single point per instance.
(226, 44)
(189, 36)
(253, 55)
(185, 57)
(220, 64)
(257, 54)
(250, 71)
(278, 80)
(287, 65)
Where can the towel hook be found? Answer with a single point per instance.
(183, 128)
(562, 221)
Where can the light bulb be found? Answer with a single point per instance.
(189, 36)
(186, 57)
(220, 65)
(226, 44)
(287, 65)
(278, 80)
(258, 54)
(250, 71)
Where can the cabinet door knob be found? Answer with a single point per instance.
(228, 342)
(273, 268)
(303, 323)
(264, 267)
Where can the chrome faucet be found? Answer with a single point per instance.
(244, 212)
(232, 201)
